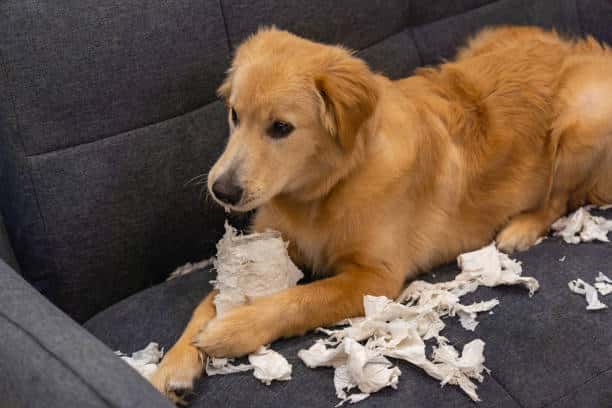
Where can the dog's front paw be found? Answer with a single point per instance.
(519, 235)
(176, 373)
(239, 332)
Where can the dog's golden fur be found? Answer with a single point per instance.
(383, 179)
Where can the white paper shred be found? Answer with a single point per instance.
(268, 365)
(189, 267)
(581, 226)
(603, 284)
(222, 366)
(144, 361)
(251, 266)
(355, 366)
(590, 293)
(398, 329)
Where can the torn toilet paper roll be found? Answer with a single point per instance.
(251, 266)
(581, 226)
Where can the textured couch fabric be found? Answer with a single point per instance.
(108, 108)
(48, 360)
(544, 351)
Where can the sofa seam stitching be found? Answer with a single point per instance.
(19, 135)
(503, 387)
(227, 37)
(576, 388)
(416, 46)
(56, 357)
(123, 132)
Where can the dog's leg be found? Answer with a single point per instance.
(523, 230)
(296, 310)
(582, 138)
(183, 363)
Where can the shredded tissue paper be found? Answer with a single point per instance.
(581, 226)
(361, 349)
(397, 329)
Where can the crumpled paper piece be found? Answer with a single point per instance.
(603, 284)
(267, 365)
(489, 267)
(581, 226)
(355, 366)
(248, 267)
(397, 330)
(590, 293)
(144, 361)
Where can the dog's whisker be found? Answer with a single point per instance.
(197, 178)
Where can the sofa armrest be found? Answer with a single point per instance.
(48, 360)
(6, 251)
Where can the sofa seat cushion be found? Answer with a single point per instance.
(543, 351)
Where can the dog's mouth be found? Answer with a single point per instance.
(246, 204)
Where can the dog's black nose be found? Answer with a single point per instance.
(227, 189)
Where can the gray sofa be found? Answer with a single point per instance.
(108, 108)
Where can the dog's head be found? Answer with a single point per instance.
(295, 110)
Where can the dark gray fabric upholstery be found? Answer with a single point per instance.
(355, 25)
(441, 38)
(80, 70)
(108, 109)
(75, 72)
(545, 351)
(595, 17)
(48, 360)
(121, 213)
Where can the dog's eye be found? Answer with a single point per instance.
(280, 129)
(235, 120)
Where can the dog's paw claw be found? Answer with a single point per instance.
(176, 374)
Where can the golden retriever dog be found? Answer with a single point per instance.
(373, 181)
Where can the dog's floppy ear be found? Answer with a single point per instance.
(349, 94)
